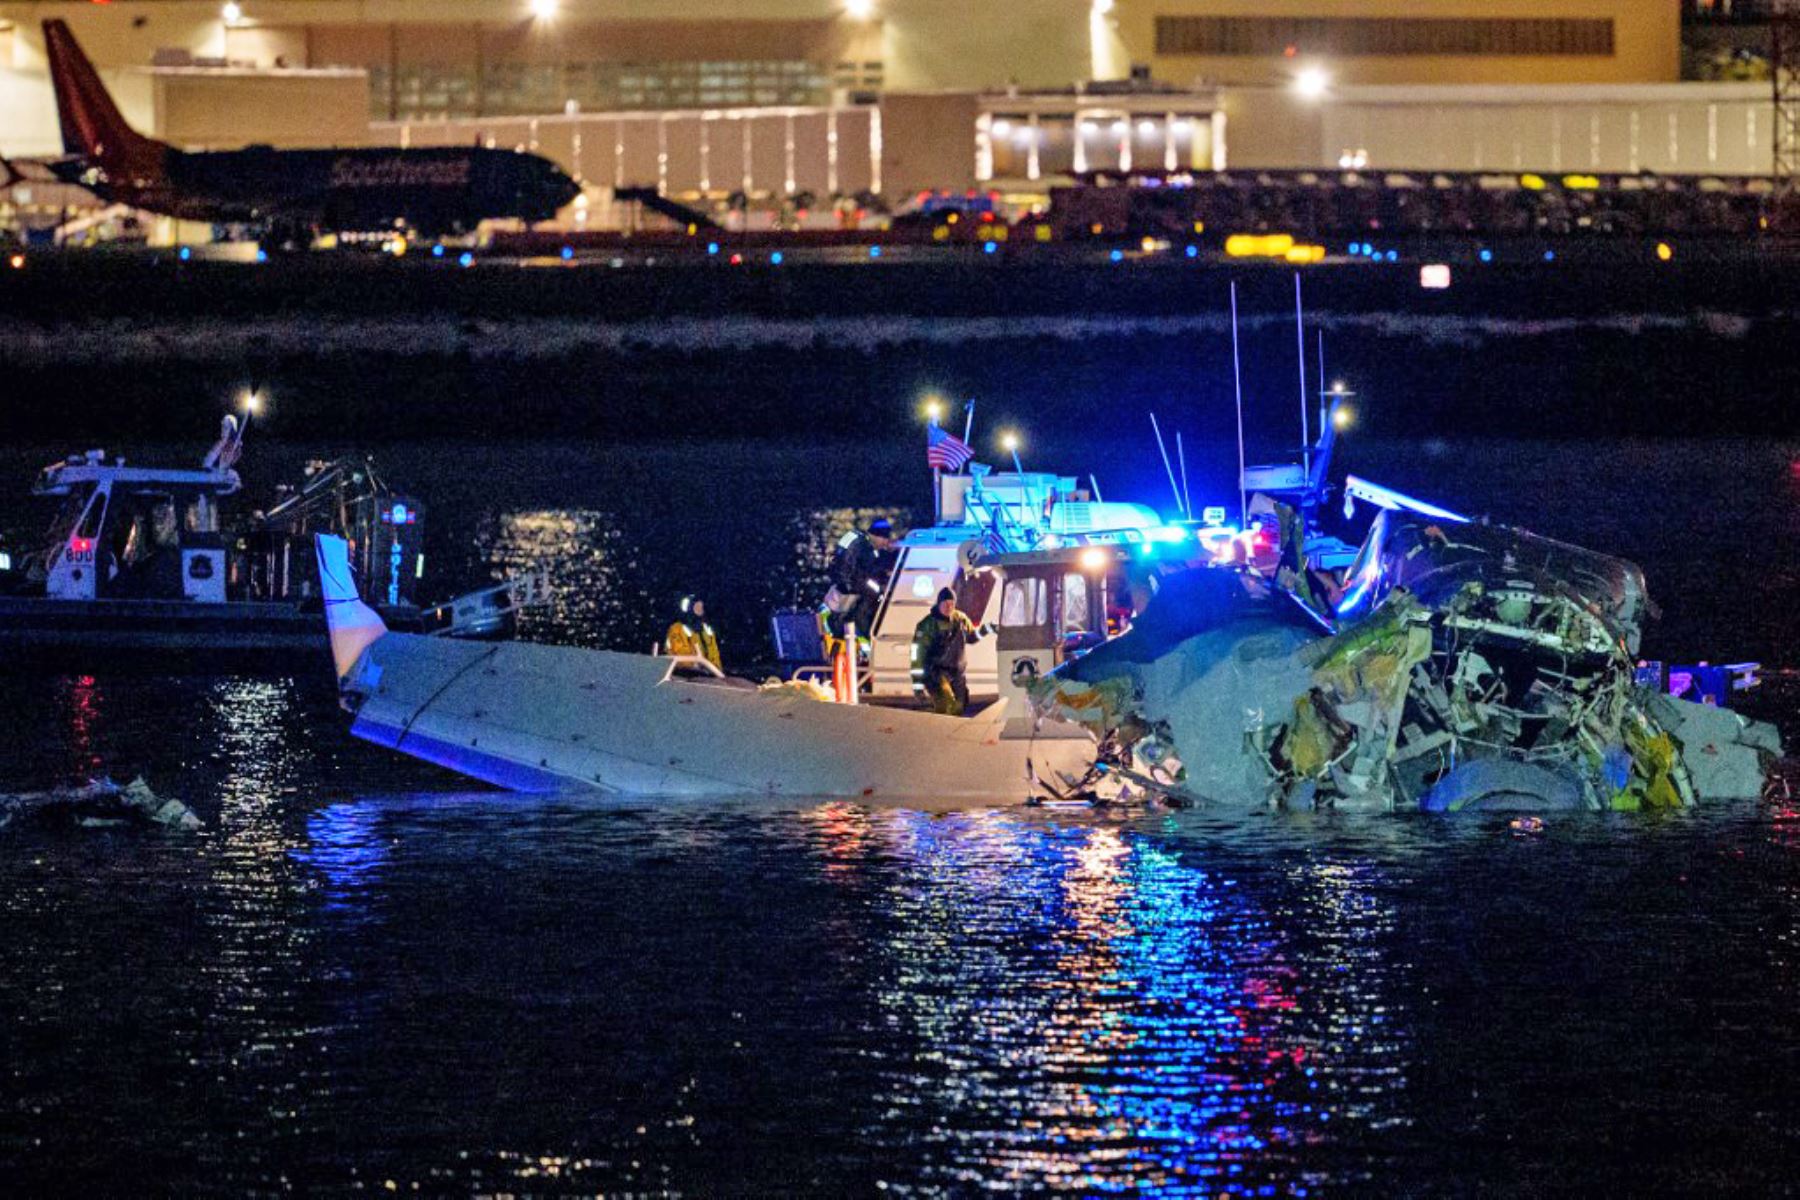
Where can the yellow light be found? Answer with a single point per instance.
(1305, 254)
(17, 262)
(1250, 245)
(1581, 183)
(1199, 226)
(1664, 251)
(940, 234)
(399, 247)
(1533, 183)
(1343, 417)
(1093, 559)
(1042, 233)
(951, 219)
(934, 406)
(252, 403)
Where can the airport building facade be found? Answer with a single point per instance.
(774, 98)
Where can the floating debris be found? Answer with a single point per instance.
(100, 804)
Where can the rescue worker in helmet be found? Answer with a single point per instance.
(689, 634)
(940, 652)
(859, 572)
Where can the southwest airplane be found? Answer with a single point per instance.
(429, 191)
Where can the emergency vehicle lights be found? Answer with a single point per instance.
(1167, 534)
(1094, 559)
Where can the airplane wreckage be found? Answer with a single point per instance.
(1445, 665)
(1464, 667)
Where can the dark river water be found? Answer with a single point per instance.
(361, 975)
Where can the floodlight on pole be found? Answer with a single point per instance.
(232, 12)
(544, 10)
(1312, 83)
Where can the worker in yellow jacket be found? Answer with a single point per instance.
(689, 634)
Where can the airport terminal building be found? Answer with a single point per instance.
(776, 98)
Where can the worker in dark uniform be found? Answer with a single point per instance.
(940, 652)
(690, 635)
(859, 573)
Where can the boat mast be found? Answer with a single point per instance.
(1305, 402)
(1237, 385)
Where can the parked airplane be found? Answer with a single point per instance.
(429, 191)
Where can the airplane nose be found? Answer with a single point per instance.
(566, 191)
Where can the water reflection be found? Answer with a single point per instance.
(598, 597)
(1094, 1012)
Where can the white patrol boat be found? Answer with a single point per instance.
(1031, 553)
(139, 569)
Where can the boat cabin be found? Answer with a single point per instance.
(126, 532)
(1053, 570)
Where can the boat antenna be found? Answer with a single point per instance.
(1164, 450)
(1237, 386)
(1187, 500)
(1305, 401)
(1323, 414)
(968, 422)
(1094, 482)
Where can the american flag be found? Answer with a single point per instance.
(945, 451)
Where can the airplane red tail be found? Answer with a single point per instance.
(92, 125)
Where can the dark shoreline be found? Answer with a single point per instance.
(123, 348)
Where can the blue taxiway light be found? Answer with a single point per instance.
(1193, 252)
(775, 258)
(185, 254)
(1487, 255)
(437, 252)
(712, 247)
(568, 252)
(874, 251)
(1549, 256)
(1393, 256)
(1118, 256)
(990, 247)
(467, 259)
(262, 255)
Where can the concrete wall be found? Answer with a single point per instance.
(1687, 129)
(217, 110)
(928, 141)
(820, 151)
(1647, 42)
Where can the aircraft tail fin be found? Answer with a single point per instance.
(352, 625)
(92, 125)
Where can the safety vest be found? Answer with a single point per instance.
(683, 640)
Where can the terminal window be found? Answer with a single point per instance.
(421, 91)
(1367, 36)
